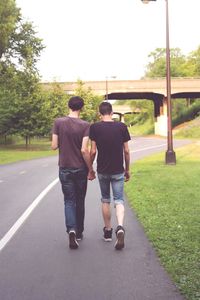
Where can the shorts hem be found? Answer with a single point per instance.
(118, 202)
(105, 200)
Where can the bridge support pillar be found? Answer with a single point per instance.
(161, 120)
(122, 118)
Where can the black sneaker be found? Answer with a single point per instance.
(107, 234)
(120, 232)
(73, 244)
(79, 236)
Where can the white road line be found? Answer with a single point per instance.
(25, 215)
(147, 148)
(22, 172)
(1, 181)
(45, 165)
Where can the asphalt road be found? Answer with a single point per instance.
(35, 261)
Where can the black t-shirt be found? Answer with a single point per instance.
(109, 138)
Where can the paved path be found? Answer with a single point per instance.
(37, 264)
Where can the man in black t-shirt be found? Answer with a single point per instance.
(110, 140)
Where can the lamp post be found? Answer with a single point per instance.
(108, 77)
(170, 157)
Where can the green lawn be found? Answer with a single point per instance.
(190, 129)
(166, 200)
(14, 153)
(142, 129)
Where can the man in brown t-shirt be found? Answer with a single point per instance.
(71, 136)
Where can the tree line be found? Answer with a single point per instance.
(180, 66)
(26, 109)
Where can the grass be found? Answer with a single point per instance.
(189, 129)
(142, 129)
(17, 152)
(166, 201)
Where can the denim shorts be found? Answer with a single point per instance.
(116, 182)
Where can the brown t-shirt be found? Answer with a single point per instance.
(70, 133)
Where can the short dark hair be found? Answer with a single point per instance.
(105, 108)
(75, 103)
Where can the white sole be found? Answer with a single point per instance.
(108, 240)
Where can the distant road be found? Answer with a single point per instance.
(35, 262)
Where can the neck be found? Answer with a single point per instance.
(74, 114)
(107, 118)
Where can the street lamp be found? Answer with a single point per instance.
(108, 77)
(170, 157)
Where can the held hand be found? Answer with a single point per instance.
(126, 175)
(91, 175)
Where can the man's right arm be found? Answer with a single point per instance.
(54, 142)
(86, 156)
(127, 161)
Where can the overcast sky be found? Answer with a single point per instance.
(95, 39)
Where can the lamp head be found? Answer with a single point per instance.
(147, 1)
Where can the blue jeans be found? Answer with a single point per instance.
(116, 182)
(74, 186)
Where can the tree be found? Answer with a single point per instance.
(92, 101)
(8, 101)
(9, 16)
(19, 45)
(55, 105)
(180, 66)
(157, 67)
(19, 79)
(194, 62)
(145, 110)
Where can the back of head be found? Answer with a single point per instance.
(75, 103)
(105, 108)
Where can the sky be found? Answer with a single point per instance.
(99, 39)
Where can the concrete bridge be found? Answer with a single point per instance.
(148, 89)
(122, 110)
